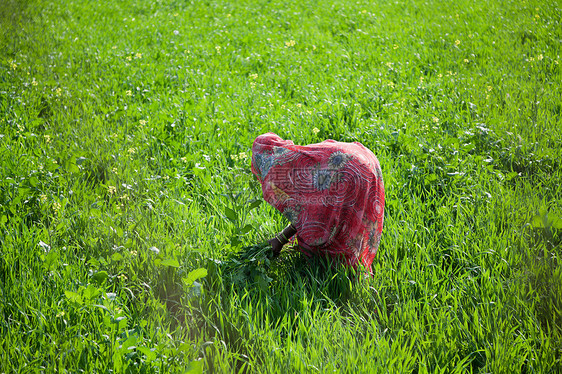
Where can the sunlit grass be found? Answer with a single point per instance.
(125, 183)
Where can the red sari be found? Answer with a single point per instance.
(332, 193)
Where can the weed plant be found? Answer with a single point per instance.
(125, 142)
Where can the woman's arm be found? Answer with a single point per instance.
(282, 238)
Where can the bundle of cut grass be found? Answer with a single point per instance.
(248, 266)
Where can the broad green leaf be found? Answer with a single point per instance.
(195, 367)
(100, 277)
(230, 214)
(51, 260)
(94, 262)
(71, 167)
(73, 297)
(556, 221)
(91, 292)
(255, 204)
(194, 275)
(170, 262)
(131, 341)
(431, 177)
(246, 229)
(511, 175)
(537, 222)
(235, 240)
(117, 256)
(149, 353)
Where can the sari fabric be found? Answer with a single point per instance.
(332, 192)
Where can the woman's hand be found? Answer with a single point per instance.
(281, 239)
(276, 245)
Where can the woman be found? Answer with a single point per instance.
(331, 192)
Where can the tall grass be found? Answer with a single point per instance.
(126, 130)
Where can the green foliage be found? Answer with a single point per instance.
(129, 216)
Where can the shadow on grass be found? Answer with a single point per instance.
(245, 293)
(284, 282)
(541, 278)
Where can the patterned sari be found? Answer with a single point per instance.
(332, 192)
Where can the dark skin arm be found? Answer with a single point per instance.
(282, 238)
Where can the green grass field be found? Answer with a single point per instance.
(125, 142)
